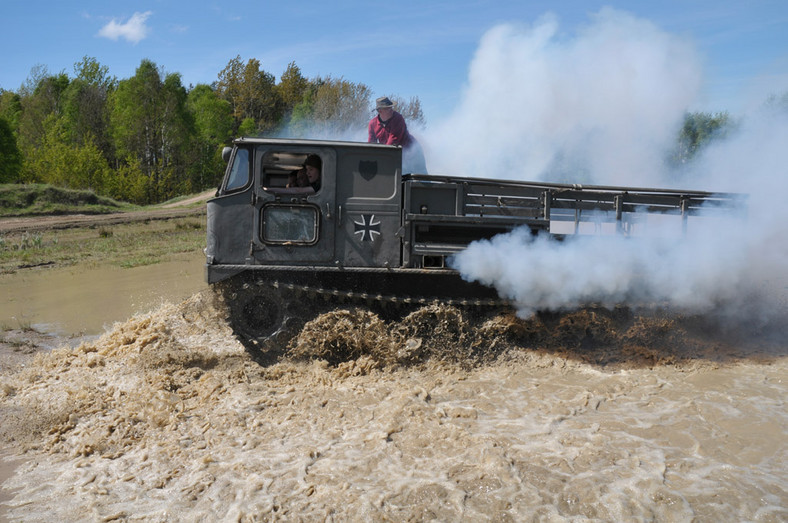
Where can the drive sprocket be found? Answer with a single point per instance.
(263, 316)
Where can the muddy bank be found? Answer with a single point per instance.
(583, 415)
(18, 346)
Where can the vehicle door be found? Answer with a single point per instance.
(368, 198)
(293, 226)
(230, 216)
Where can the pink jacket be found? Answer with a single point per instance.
(392, 132)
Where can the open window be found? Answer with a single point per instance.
(283, 172)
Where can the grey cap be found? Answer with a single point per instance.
(383, 102)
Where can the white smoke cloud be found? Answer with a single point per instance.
(605, 105)
(699, 274)
(134, 30)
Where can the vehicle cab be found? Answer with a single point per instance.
(261, 218)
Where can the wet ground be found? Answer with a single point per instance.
(159, 414)
(587, 415)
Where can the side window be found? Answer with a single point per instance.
(295, 171)
(239, 173)
(290, 224)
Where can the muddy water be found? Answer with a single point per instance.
(165, 418)
(86, 300)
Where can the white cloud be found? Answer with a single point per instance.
(134, 30)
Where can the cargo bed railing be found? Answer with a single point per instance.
(554, 202)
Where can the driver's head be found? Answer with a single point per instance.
(313, 164)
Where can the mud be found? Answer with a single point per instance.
(590, 414)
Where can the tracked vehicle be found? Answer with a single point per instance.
(373, 236)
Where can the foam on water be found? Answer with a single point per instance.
(591, 414)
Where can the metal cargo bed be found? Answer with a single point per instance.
(539, 204)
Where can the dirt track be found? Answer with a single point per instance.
(41, 223)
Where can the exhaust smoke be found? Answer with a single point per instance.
(604, 106)
(600, 107)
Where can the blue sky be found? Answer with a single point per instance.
(419, 48)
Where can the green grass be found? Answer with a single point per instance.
(41, 199)
(124, 245)
(21, 325)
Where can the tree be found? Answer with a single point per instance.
(150, 123)
(84, 110)
(699, 129)
(339, 107)
(229, 86)
(45, 99)
(251, 93)
(10, 108)
(178, 130)
(292, 87)
(90, 71)
(37, 73)
(134, 116)
(59, 162)
(301, 117)
(85, 104)
(211, 114)
(10, 155)
(129, 182)
(248, 127)
(214, 127)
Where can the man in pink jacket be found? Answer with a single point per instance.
(389, 127)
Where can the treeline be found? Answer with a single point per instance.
(148, 138)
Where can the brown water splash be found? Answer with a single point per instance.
(619, 338)
(440, 414)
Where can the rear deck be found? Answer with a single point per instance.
(443, 214)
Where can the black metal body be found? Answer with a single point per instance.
(371, 229)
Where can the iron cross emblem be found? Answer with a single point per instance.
(367, 227)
